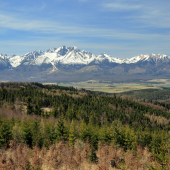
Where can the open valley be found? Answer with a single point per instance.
(109, 87)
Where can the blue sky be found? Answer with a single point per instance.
(121, 28)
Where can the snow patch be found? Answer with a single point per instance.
(73, 56)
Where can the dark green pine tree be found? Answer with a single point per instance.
(162, 156)
(61, 130)
(27, 132)
(5, 133)
(37, 138)
(37, 110)
(29, 106)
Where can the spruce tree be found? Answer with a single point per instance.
(29, 106)
(72, 133)
(61, 130)
(162, 156)
(5, 133)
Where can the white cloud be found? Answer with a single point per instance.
(50, 28)
(57, 30)
(121, 6)
(149, 13)
(156, 17)
(16, 23)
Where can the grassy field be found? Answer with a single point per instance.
(159, 82)
(109, 87)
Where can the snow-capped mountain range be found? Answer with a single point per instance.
(72, 56)
(71, 64)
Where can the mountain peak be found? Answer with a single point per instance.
(75, 48)
(73, 56)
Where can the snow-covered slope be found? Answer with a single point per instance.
(4, 62)
(15, 60)
(150, 58)
(105, 57)
(73, 56)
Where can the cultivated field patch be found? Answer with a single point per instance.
(108, 87)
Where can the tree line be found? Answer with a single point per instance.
(76, 115)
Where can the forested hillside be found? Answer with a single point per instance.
(54, 127)
(156, 96)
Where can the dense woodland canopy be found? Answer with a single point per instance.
(37, 115)
(161, 95)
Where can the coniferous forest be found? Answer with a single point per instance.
(53, 127)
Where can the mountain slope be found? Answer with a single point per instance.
(73, 56)
(67, 63)
(4, 62)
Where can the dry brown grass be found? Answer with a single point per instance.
(8, 111)
(63, 157)
(158, 119)
(153, 106)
